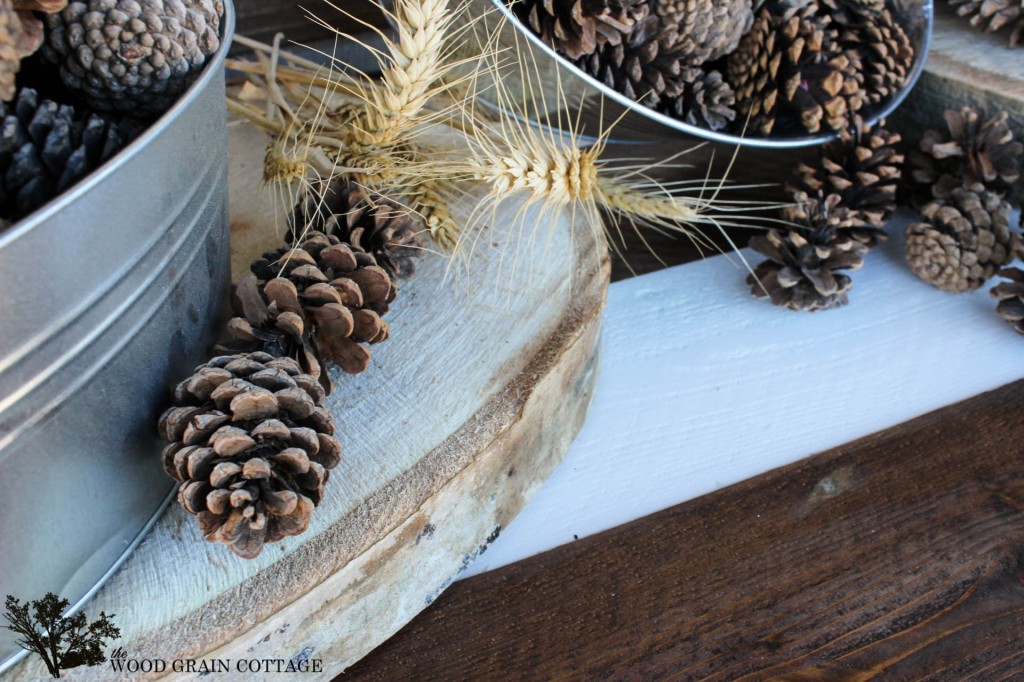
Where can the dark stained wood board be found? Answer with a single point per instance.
(261, 19)
(898, 556)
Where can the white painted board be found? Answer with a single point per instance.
(702, 386)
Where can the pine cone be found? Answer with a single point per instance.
(320, 299)
(707, 102)
(576, 28)
(790, 68)
(21, 34)
(964, 240)
(47, 6)
(644, 68)
(863, 168)
(975, 150)
(252, 445)
(134, 56)
(993, 15)
(704, 30)
(378, 226)
(46, 147)
(879, 50)
(803, 270)
(10, 58)
(1011, 297)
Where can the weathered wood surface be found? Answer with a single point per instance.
(463, 413)
(896, 557)
(966, 66)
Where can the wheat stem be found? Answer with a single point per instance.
(648, 207)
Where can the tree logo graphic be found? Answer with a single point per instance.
(61, 641)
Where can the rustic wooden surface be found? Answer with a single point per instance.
(261, 19)
(899, 556)
(466, 409)
(895, 557)
(687, 349)
(966, 66)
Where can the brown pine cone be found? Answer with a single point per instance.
(819, 210)
(1011, 297)
(993, 15)
(577, 28)
(885, 52)
(378, 226)
(964, 240)
(644, 68)
(47, 6)
(251, 445)
(707, 102)
(863, 167)
(879, 51)
(790, 69)
(704, 30)
(975, 149)
(135, 56)
(10, 60)
(21, 34)
(319, 299)
(805, 264)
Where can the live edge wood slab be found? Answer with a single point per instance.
(464, 411)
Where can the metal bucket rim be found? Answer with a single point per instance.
(695, 131)
(136, 146)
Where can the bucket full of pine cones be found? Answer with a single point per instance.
(766, 73)
(114, 259)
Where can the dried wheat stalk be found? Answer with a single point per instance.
(379, 133)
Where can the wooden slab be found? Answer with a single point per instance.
(463, 413)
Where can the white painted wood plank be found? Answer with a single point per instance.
(703, 386)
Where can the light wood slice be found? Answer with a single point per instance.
(463, 413)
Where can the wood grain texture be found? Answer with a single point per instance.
(899, 556)
(466, 409)
(967, 66)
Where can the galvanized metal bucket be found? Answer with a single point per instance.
(110, 293)
(559, 94)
